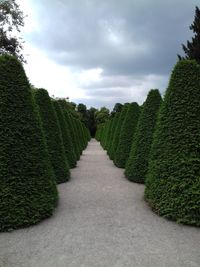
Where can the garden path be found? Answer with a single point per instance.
(101, 221)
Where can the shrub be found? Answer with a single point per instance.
(117, 131)
(28, 191)
(127, 132)
(53, 135)
(173, 179)
(66, 135)
(137, 164)
(114, 124)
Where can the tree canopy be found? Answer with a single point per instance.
(192, 49)
(11, 19)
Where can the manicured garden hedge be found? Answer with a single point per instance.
(53, 135)
(137, 164)
(173, 179)
(28, 191)
(127, 132)
(116, 136)
(66, 135)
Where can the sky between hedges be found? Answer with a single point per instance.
(103, 52)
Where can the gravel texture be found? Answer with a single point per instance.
(101, 221)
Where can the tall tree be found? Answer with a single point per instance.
(192, 49)
(11, 19)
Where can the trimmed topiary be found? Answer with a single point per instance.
(108, 140)
(114, 124)
(137, 164)
(128, 129)
(173, 179)
(28, 191)
(66, 135)
(118, 131)
(69, 122)
(53, 136)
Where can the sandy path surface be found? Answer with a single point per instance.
(101, 221)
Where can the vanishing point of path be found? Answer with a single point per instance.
(101, 221)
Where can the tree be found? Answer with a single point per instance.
(173, 179)
(91, 124)
(192, 49)
(11, 19)
(137, 164)
(28, 191)
(127, 132)
(102, 115)
(52, 132)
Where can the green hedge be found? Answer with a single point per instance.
(173, 179)
(114, 125)
(66, 135)
(137, 164)
(117, 132)
(28, 191)
(53, 135)
(127, 132)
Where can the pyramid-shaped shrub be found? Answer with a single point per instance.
(108, 139)
(137, 164)
(114, 124)
(173, 179)
(118, 131)
(53, 135)
(66, 134)
(128, 129)
(28, 191)
(69, 121)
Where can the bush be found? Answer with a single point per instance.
(128, 129)
(173, 179)
(137, 164)
(118, 131)
(114, 124)
(28, 191)
(69, 116)
(53, 135)
(66, 135)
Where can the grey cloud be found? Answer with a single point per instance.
(125, 38)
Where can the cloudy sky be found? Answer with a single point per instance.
(103, 52)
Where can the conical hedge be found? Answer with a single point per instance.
(28, 191)
(137, 164)
(66, 135)
(128, 129)
(72, 130)
(173, 179)
(53, 135)
(114, 124)
(118, 131)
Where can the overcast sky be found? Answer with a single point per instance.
(106, 51)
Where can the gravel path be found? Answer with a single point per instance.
(101, 221)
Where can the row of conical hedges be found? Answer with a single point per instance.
(37, 148)
(163, 147)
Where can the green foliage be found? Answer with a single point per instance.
(102, 115)
(118, 131)
(53, 135)
(127, 132)
(137, 164)
(192, 49)
(113, 128)
(28, 191)
(108, 138)
(66, 135)
(70, 121)
(173, 179)
(11, 19)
